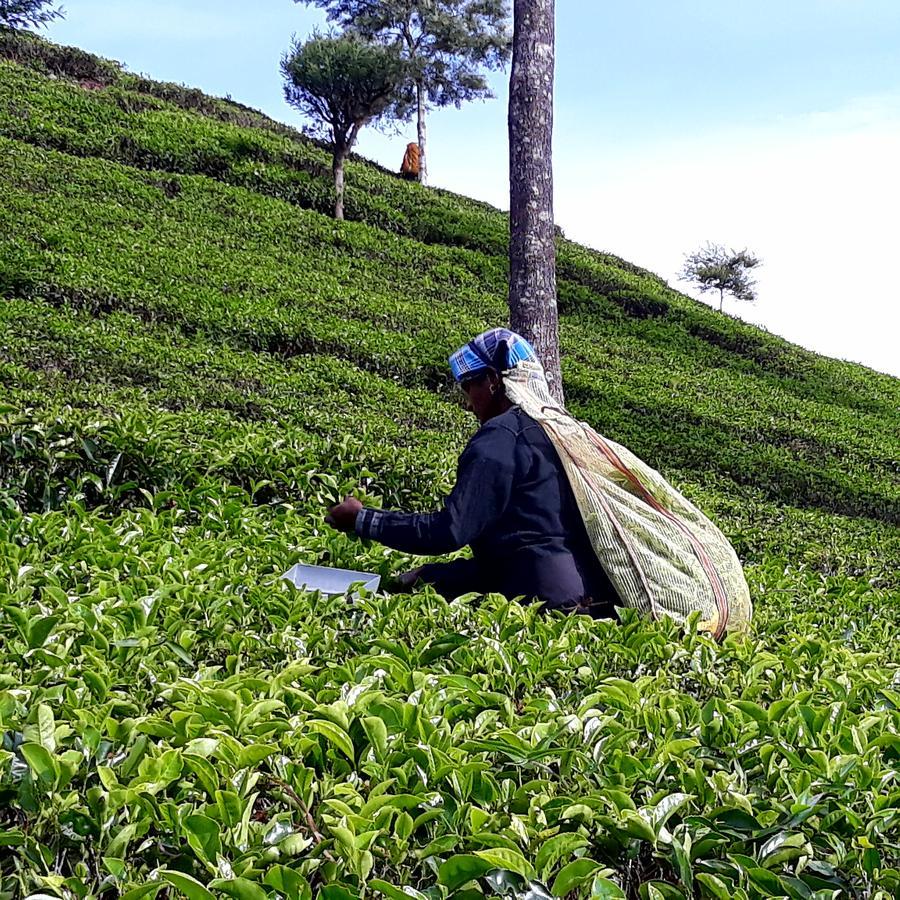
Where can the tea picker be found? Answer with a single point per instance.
(556, 513)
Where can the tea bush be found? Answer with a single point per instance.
(194, 362)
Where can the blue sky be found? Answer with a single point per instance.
(769, 124)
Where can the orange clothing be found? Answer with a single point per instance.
(410, 160)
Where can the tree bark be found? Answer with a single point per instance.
(337, 167)
(532, 245)
(420, 123)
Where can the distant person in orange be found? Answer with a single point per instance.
(410, 167)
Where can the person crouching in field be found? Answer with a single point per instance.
(512, 503)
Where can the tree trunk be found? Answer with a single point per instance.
(532, 245)
(337, 167)
(721, 298)
(420, 122)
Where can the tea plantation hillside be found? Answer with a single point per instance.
(195, 361)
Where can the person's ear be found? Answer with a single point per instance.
(495, 382)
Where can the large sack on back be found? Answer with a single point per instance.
(663, 556)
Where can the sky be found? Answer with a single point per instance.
(772, 125)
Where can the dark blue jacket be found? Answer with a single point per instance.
(513, 504)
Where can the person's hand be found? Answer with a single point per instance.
(343, 516)
(408, 579)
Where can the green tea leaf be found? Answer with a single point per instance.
(239, 888)
(377, 733)
(337, 892)
(573, 875)
(97, 686)
(738, 820)
(46, 727)
(461, 869)
(203, 835)
(558, 846)
(151, 889)
(41, 762)
(201, 746)
(604, 889)
(715, 886)
(767, 881)
(205, 772)
(442, 646)
(782, 847)
(40, 630)
(290, 883)
(121, 839)
(187, 885)
(335, 735)
(393, 893)
(503, 858)
(667, 807)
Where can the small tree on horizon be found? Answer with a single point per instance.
(448, 44)
(716, 268)
(25, 13)
(341, 83)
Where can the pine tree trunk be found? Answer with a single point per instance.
(337, 167)
(532, 246)
(721, 298)
(420, 122)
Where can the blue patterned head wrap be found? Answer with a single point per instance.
(499, 349)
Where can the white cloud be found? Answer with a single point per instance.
(816, 196)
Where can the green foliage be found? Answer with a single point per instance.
(25, 13)
(341, 83)
(29, 50)
(449, 43)
(194, 362)
(716, 268)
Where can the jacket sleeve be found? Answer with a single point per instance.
(483, 488)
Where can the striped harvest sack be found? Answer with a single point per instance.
(662, 555)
